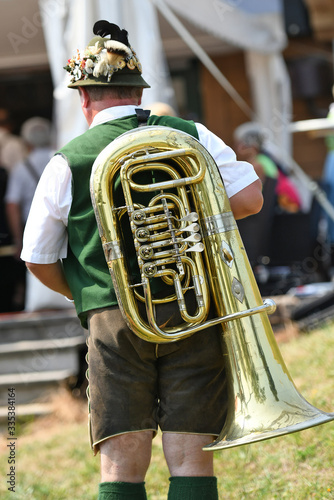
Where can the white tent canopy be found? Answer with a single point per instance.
(249, 24)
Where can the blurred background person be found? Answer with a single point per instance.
(249, 145)
(22, 182)
(12, 150)
(12, 147)
(7, 261)
(328, 181)
(279, 194)
(24, 176)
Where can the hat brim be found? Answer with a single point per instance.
(121, 78)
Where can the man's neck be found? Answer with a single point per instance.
(98, 106)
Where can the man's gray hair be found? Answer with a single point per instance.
(98, 93)
(36, 132)
(251, 134)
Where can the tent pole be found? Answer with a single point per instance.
(202, 55)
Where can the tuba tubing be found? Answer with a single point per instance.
(263, 400)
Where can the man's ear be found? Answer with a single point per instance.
(84, 97)
(141, 97)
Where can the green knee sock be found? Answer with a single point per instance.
(193, 488)
(122, 491)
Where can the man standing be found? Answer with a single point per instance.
(134, 386)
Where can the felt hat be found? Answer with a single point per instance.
(107, 60)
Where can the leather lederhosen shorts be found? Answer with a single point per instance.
(138, 385)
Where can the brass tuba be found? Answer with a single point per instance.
(185, 235)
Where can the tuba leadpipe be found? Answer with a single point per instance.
(190, 200)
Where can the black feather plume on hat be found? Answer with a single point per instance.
(104, 28)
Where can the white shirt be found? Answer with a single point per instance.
(45, 236)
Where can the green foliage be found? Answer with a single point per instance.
(54, 461)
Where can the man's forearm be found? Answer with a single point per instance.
(52, 276)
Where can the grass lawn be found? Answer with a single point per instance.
(54, 461)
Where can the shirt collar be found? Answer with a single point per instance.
(112, 114)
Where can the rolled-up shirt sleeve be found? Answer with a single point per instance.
(45, 235)
(236, 175)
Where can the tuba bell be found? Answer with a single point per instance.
(162, 188)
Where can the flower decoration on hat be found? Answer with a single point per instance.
(103, 57)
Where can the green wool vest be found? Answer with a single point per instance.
(85, 267)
